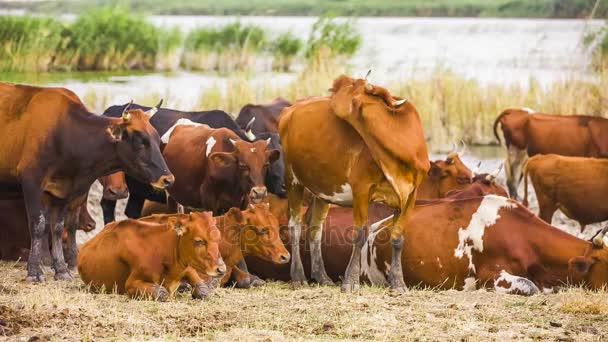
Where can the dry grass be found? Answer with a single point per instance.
(60, 310)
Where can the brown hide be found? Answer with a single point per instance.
(220, 171)
(114, 186)
(149, 259)
(574, 185)
(444, 176)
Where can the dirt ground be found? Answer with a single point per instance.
(275, 312)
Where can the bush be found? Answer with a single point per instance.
(284, 49)
(332, 39)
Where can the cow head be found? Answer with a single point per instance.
(275, 173)
(86, 223)
(248, 162)
(138, 147)
(260, 233)
(114, 186)
(444, 176)
(198, 242)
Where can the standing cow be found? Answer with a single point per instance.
(262, 118)
(574, 185)
(52, 149)
(528, 133)
(349, 149)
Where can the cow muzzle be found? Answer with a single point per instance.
(257, 193)
(163, 182)
(220, 270)
(284, 258)
(114, 194)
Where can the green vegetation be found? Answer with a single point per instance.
(331, 39)
(452, 8)
(284, 49)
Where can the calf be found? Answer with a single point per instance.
(574, 185)
(220, 171)
(443, 176)
(149, 259)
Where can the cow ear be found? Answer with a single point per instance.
(580, 265)
(116, 131)
(235, 214)
(273, 155)
(222, 159)
(434, 171)
(177, 226)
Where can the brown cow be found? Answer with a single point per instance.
(216, 170)
(445, 175)
(52, 149)
(114, 186)
(262, 118)
(148, 258)
(574, 185)
(350, 149)
(527, 133)
(486, 242)
(336, 242)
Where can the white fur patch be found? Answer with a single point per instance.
(250, 135)
(486, 215)
(252, 149)
(548, 290)
(470, 284)
(528, 110)
(210, 143)
(186, 122)
(517, 284)
(345, 197)
(369, 266)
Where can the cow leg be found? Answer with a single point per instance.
(546, 211)
(514, 164)
(511, 284)
(395, 276)
(109, 208)
(134, 206)
(71, 250)
(315, 233)
(57, 214)
(201, 287)
(295, 195)
(353, 270)
(137, 288)
(36, 216)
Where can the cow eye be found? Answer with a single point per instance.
(261, 231)
(199, 242)
(243, 166)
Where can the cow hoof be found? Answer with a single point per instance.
(399, 289)
(201, 291)
(63, 276)
(256, 281)
(298, 284)
(35, 279)
(349, 288)
(160, 293)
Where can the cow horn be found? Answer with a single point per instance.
(598, 240)
(267, 141)
(250, 123)
(464, 148)
(476, 168)
(492, 176)
(125, 111)
(232, 141)
(150, 112)
(368, 73)
(399, 103)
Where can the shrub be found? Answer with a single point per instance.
(333, 39)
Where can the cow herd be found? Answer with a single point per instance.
(214, 200)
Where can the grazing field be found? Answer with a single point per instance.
(274, 312)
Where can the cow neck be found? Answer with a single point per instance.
(231, 235)
(176, 268)
(99, 158)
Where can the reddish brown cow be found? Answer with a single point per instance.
(114, 186)
(350, 149)
(490, 242)
(574, 185)
(445, 175)
(52, 149)
(527, 133)
(221, 170)
(262, 118)
(148, 258)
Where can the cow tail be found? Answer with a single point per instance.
(525, 175)
(496, 122)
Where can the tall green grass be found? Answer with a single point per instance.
(330, 39)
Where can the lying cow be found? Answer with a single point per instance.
(443, 176)
(251, 232)
(527, 133)
(486, 242)
(148, 259)
(574, 185)
(335, 244)
(215, 170)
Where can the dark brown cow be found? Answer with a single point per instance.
(574, 185)
(486, 242)
(528, 133)
(445, 175)
(262, 118)
(149, 259)
(52, 149)
(216, 170)
(350, 149)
